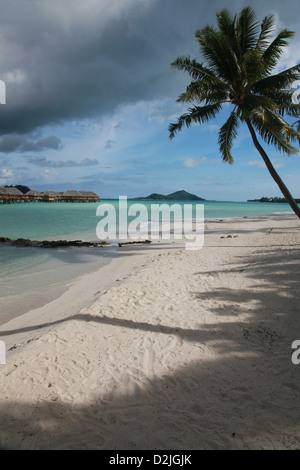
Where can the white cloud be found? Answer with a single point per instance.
(15, 76)
(210, 128)
(5, 176)
(278, 164)
(193, 163)
(260, 164)
(164, 110)
(256, 163)
(48, 174)
(6, 173)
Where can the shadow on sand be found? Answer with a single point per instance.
(245, 396)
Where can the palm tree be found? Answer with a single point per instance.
(240, 57)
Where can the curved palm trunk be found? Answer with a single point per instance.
(273, 172)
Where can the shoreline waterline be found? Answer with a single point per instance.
(32, 277)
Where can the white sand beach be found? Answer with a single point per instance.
(165, 349)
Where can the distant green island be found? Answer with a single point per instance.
(271, 199)
(177, 196)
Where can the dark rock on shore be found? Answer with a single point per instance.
(49, 243)
(137, 242)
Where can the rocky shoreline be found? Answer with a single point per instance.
(50, 243)
(62, 243)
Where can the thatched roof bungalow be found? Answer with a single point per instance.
(2, 191)
(90, 196)
(10, 194)
(50, 196)
(13, 192)
(51, 193)
(33, 195)
(71, 196)
(80, 196)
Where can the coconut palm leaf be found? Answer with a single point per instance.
(266, 29)
(227, 134)
(195, 69)
(195, 114)
(220, 57)
(227, 26)
(247, 29)
(203, 91)
(275, 49)
(278, 81)
(275, 130)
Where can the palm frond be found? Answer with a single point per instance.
(227, 134)
(203, 91)
(253, 66)
(195, 69)
(275, 49)
(275, 131)
(247, 29)
(282, 101)
(278, 81)
(227, 26)
(266, 29)
(196, 114)
(255, 104)
(218, 54)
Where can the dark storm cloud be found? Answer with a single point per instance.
(74, 60)
(20, 143)
(44, 162)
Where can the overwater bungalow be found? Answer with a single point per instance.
(79, 196)
(33, 196)
(3, 193)
(70, 196)
(10, 195)
(89, 196)
(51, 196)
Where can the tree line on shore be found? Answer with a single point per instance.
(20, 187)
(272, 199)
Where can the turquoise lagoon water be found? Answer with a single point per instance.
(31, 277)
(46, 221)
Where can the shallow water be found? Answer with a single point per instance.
(31, 277)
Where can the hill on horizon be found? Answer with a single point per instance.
(176, 196)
